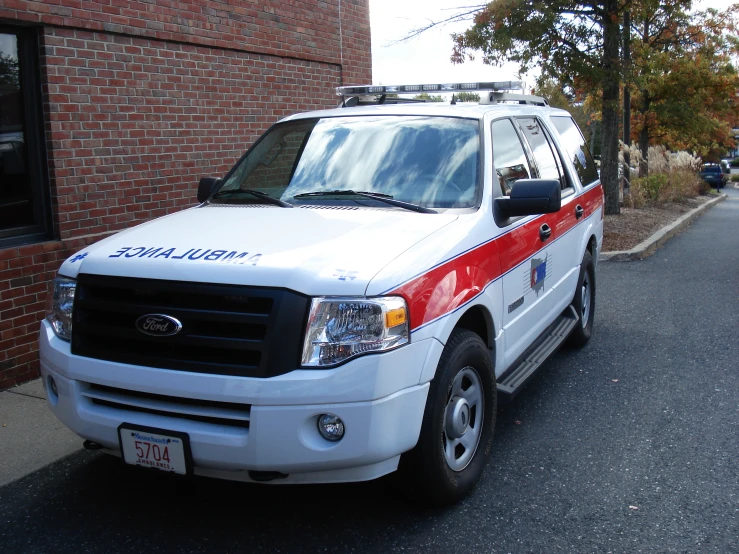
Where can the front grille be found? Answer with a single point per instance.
(204, 411)
(226, 329)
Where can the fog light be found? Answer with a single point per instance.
(52, 388)
(331, 427)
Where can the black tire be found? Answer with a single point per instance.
(581, 333)
(424, 473)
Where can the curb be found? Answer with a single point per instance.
(649, 246)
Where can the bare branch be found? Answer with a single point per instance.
(460, 16)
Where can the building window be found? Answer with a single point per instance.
(24, 198)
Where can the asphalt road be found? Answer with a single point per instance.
(630, 445)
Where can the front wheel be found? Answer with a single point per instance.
(584, 303)
(457, 432)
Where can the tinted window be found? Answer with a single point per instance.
(577, 149)
(431, 161)
(24, 203)
(544, 154)
(509, 157)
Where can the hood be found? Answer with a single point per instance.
(316, 251)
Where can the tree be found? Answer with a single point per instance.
(467, 97)
(560, 96)
(8, 74)
(684, 82)
(576, 43)
(428, 97)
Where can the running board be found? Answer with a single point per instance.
(511, 382)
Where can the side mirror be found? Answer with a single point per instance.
(531, 197)
(206, 186)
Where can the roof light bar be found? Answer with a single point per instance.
(438, 87)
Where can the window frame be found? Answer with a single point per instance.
(583, 186)
(567, 186)
(34, 137)
(524, 146)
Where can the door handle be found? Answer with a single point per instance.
(545, 231)
(579, 211)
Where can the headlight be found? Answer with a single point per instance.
(341, 328)
(59, 308)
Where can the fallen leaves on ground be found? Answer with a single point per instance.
(632, 226)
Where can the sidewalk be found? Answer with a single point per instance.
(30, 436)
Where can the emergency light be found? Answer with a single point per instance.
(445, 87)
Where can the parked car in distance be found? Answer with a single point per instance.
(714, 175)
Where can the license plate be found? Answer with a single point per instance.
(155, 448)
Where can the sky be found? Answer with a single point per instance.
(425, 59)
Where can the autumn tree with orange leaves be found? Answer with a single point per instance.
(578, 45)
(684, 85)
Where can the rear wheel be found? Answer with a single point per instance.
(584, 303)
(457, 431)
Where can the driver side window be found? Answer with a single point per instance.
(509, 157)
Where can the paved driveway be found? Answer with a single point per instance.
(629, 445)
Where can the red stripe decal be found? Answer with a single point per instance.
(446, 287)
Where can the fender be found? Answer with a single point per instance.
(443, 328)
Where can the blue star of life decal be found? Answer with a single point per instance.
(344, 274)
(77, 258)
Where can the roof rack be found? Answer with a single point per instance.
(353, 90)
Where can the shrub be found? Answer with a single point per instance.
(646, 190)
(735, 178)
(636, 197)
(683, 184)
(735, 162)
(659, 188)
(673, 176)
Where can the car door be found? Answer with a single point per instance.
(562, 244)
(526, 260)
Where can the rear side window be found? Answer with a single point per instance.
(544, 152)
(577, 149)
(509, 157)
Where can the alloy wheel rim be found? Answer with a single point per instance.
(585, 299)
(463, 417)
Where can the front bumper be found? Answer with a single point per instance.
(378, 397)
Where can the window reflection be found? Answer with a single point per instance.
(509, 157)
(431, 161)
(541, 148)
(16, 209)
(577, 148)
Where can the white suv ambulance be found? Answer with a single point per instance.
(351, 299)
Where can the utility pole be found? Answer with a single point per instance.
(627, 102)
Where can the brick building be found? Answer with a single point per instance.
(111, 111)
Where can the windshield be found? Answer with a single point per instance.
(428, 161)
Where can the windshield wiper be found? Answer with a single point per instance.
(257, 194)
(386, 198)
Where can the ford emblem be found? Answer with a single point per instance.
(158, 325)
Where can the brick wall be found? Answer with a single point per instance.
(356, 42)
(141, 99)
